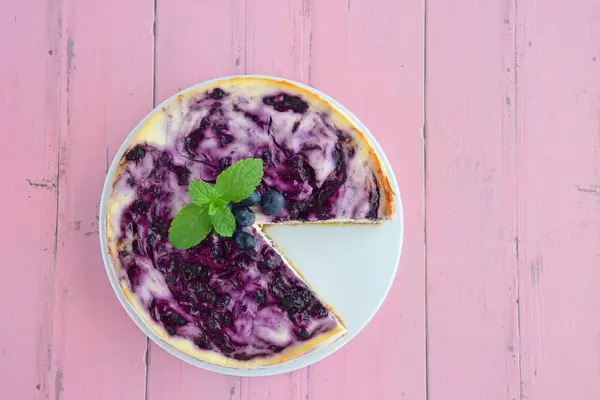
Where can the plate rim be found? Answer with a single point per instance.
(276, 369)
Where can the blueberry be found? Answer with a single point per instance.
(320, 312)
(172, 319)
(223, 317)
(183, 174)
(373, 204)
(266, 156)
(202, 342)
(170, 330)
(150, 239)
(245, 241)
(203, 293)
(223, 342)
(244, 216)
(272, 202)
(283, 102)
(302, 317)
(209, 297)
(302, 334)
(190, 272)
(135, 154)
(225, 139)
(137, 248)
(297, 300)
(225, 162)
(223, 300)
(217, 253)
(279, 289)
(245, 357)
(217, 94)
(135, 274)
(271, 260)
(251, 200)
(228, 206)
(260, 297)
(213, 325)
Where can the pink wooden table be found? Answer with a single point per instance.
(488, 110)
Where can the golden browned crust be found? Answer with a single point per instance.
(386, 194)
(386, 210)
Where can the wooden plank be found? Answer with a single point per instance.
(275, 46)
(472, 318)
(106, 87)
(195, 41)
(369, 55)
(559, 215)
(28, 159)
(275, 38)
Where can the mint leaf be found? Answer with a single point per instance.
(223, 221)
(214, 205)
(190, 226)
(209, 204)
(201, 192)
(239, 180)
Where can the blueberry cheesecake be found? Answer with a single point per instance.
(189, 200)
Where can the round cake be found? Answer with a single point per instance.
(223, 301)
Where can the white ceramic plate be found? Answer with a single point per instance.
(351, 267)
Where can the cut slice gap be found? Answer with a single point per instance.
(334, 259)
(260, 230)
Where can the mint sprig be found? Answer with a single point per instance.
(208, 208)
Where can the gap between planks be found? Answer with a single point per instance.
(146, 359)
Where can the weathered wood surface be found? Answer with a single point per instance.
(488, 111)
